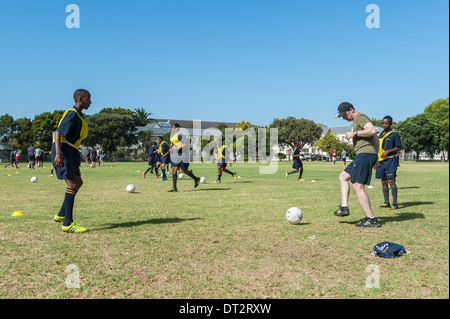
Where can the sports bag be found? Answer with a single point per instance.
(389, 250)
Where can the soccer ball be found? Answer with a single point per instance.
(294, 215)
(131, 188)
(202, 180)
(181, 176)
(34, 179)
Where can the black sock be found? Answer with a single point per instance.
(394, 195)
(69, 200)
(301, 173)
(147, 170)
(190, 174)
(219, 177)
(292, 172)
(174, 180)
(386, 195)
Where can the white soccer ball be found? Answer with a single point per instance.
(34, 179)
(202, 180)
(294, 215)
(131, 188)
(181, 176)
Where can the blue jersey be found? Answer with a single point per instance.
(390, 142)
(150, 152)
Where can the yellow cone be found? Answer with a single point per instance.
(17, 214)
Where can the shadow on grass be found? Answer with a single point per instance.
(398, 217)
(208, 189)
(154, 221)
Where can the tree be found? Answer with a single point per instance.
(116, 110)
(43, 127)
(6, 121)
(292, 129)
(419, 134)
(438, 113)
(141, 117)
(21, 133)
(111, 131)
(329, 142)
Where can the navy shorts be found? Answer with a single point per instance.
(183, 166)
(297, 164)
(387, 169)
(31, 158)
(165, 160)
(360, 169)
(222, 163)
(151, 160)
(71, 162)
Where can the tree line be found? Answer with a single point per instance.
(115, 128)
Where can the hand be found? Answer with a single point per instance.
(58, 161)
(349, 135)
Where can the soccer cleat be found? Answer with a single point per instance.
(163, 179)
(158, 175)
(143, 174)
(172, 190)
(367, 222)
(394, 206)
(74, 228)
(218, 181)
(301, 179)
(287, 175)
(59, 219)
(235, 176)
(196, 182)
(385, 205)
(342, 211)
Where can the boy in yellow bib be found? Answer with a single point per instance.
(72, 130)
(386, 168)
(180, 156)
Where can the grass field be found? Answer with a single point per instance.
(228, 240)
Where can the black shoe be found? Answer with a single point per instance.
(394, 206)
(196, 182)
(385, 205)
(367, 222)
(342, 211)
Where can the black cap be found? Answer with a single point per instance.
(342, 108)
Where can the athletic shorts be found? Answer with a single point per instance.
(297, 164)
(151, 160)
(71, 162)
(360, 169)
(183, 166)
(387, 169)
(31, 158)
(165, 160)
(222, 163)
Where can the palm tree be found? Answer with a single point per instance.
(141, 117)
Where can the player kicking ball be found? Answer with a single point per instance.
(179, 156)
(297, 164)
(223, 157)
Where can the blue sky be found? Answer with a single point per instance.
(211, 60)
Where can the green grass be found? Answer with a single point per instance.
(228, 240)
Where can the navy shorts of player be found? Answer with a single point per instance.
(71, 162)
(297, 163)
(360, 170)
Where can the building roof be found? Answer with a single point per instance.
(4, 147)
